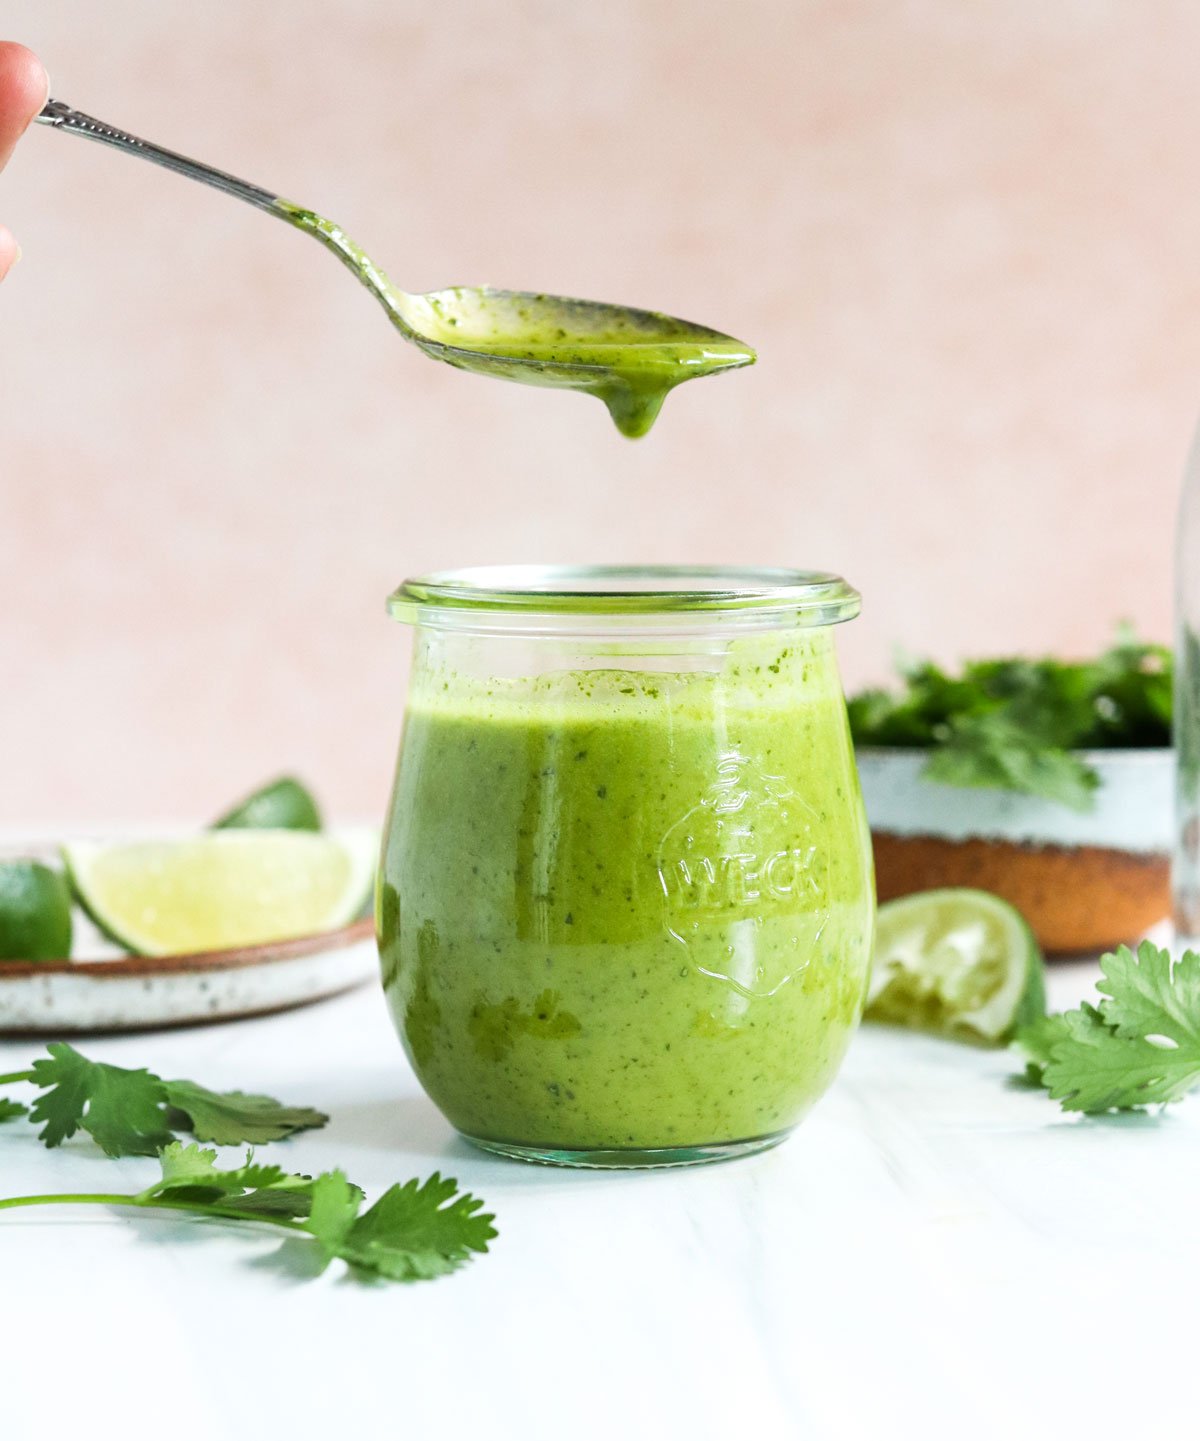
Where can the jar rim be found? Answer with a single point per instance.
(664, 592)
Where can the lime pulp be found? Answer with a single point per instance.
(225, 889)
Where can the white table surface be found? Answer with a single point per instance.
(933, 1253)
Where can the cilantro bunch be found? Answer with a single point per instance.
(1016, 724)
(1138, 1046)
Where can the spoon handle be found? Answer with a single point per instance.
(331, 236)
(64, 118)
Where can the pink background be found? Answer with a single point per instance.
(963, 237)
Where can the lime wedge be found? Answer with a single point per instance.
(960, 963)
(35, 913)
(224, 889)
(283, 804)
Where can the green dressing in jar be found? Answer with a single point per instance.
(625, 903)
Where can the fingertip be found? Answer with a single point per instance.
(23, 82)
(10, 251)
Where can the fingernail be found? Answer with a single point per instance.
(16, 255)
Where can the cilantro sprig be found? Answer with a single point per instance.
(136, 1113)
(1017, 724)
(413, 1232)
(1138, 1046)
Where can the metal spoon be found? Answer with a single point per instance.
(628, 358)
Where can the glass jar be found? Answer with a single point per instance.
(626, 902)
(1185, 729)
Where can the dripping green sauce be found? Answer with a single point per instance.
(629, 359)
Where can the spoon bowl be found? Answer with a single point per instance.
(628, 358)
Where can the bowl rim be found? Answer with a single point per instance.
(1094, 756)
(196, 962)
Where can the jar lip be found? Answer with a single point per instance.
(813, 597)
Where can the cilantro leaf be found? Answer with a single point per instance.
(994, 751)
(335, 1204)
(136, 1113)
(10, 1110)
(413, 1232)
(190, 1166)
(194, 1168)
(1133, 699)
(409, 1234)
(1038, 1039)
(234, 1118)
(121, 1110)
(1140, 1046)
(1095, 1070)
(192, 1178)
(1150, 995)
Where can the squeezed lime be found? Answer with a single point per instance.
(960, 963)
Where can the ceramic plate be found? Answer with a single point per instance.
(117, 992)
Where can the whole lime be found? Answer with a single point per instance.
(35, 912)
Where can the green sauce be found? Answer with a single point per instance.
(630, 359)
(624, 909)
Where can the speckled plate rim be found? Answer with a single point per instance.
(187, 962)
(140, 993)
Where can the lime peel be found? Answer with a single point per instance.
(282, 804)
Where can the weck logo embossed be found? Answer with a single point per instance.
(744, 855)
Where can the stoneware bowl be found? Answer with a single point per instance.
(1084, 880)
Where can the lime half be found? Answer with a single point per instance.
(35, 913)
(227, 888)
(960, 963)
(283, 804)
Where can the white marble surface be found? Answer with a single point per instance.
(932, 1254)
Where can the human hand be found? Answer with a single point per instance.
(23, 91)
